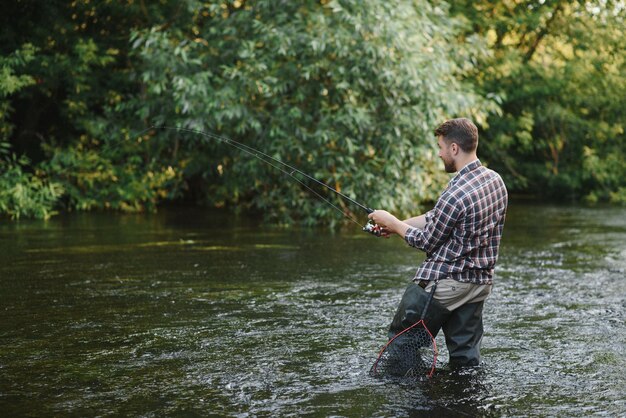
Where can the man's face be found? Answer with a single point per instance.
(445, 153)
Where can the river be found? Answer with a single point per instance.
(194, 312)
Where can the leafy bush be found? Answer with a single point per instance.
(346, 91)
(93, 180)
(23, 194)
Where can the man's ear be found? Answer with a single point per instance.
(454, 148)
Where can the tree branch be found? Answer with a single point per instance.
(542, 33)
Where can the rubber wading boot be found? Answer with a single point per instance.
(464, 331)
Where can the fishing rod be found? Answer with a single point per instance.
(369, 227)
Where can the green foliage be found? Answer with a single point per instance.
(23, 194)
(559, 67)
(346, 91)
(10, 82)
(82, 69)
(92, 181)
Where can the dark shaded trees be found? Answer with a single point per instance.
(348, 91)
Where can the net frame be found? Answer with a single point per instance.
(429, 370)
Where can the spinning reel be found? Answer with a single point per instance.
(372, 228)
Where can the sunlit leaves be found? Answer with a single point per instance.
(559, 68)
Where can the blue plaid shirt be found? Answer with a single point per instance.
(462, 233)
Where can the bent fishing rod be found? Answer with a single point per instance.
(284, 168)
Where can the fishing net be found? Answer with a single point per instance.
(411, 350)
(411, 353)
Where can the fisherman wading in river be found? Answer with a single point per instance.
(460, 236)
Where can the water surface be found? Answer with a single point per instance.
(193, 312)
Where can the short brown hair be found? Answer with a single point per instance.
(461, 131)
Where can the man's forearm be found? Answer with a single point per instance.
(398, 227)
(417, 221)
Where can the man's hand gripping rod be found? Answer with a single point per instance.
(371, 227)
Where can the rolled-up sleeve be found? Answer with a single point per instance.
(440, 222)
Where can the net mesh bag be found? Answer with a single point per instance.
(411, 353)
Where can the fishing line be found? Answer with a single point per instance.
(265, 157)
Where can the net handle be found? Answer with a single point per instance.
(429, 300)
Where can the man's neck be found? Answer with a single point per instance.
(465, 160)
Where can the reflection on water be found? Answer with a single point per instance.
(194, 312)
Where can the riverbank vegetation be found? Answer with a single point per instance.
(347, 91)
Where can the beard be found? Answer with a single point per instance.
(449, 165)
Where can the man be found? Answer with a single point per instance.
(461, 237)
